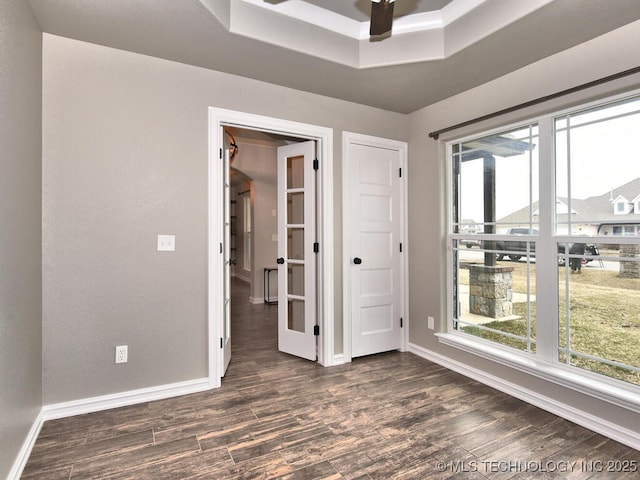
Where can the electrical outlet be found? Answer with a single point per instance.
(122, 354)
(430, 323)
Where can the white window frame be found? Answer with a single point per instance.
(544, 363)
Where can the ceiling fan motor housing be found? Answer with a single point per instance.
(381, 17)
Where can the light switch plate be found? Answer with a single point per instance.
(166, 243)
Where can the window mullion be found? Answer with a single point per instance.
(546, 249)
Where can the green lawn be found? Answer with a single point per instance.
(604, 318)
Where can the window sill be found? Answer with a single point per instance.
(611, 391)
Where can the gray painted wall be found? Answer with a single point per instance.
(612, 53)
(20, 227)
(125, 158)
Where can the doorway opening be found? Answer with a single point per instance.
(220, 189)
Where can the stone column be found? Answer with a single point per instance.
(490, 290)
(629, 269)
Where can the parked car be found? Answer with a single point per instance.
(519, 247)
(516, 245)
(467, 242)
(469, 227)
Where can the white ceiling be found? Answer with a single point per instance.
(490, 38)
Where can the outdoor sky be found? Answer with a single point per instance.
(603, 157)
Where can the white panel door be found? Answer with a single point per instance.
(296, 258)
(227, 262)
(374, 229)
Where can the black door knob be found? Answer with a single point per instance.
(280, 261)
(232, 261)
(357, 260)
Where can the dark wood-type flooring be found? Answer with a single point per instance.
(393, 415)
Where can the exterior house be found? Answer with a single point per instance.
(104, 146)
(610, 213)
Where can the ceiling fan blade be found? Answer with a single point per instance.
(381, 17)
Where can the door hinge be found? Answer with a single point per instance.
(220, 342)
(400, 322)
(220, 154)
(220, 247)
(400, 247)
(316, 247)
(316, 164)
(316, 330)
(400, 172)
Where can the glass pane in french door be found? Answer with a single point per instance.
(295, 280)
(295, 243)
(295, 172)
(295, 208)
(296, 315)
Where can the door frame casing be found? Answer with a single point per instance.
(349, 138)
(219, 118)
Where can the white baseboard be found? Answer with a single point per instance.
(242, 278)
(580, 417)
(122, 399)
(25, 451)
(96, 404)
(338, 359)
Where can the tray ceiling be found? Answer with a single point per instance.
(466, 42)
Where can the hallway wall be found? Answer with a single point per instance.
(20, 227)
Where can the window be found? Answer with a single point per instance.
(599, 323)
(546, 281)
(621, 206)
(495, 186)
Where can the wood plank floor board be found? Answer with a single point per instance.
(318, 471)
(330, 447)
(274, 435)
(58, 458)
(125, 462)
(386, 416)
(207, 428)
(267, 466)
(37, 472)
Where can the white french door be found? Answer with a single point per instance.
(297, 259)
(373, 230)
(227, 262)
